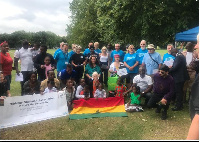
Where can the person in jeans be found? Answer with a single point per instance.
(163, 90)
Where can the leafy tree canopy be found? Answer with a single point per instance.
(130, 21)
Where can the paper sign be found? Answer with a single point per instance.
(26, 109)
(169, 63)
(19, 77)
(122, 71)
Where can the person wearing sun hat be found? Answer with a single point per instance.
(152, 60)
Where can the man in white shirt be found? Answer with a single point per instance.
(144, 82)
(25, 56)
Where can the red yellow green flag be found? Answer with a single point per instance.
(108, 107)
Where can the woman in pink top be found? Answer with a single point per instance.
(6, 62)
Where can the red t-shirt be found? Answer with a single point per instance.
(6, 61)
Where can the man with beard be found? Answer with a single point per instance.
(141, 51)
(163, 90)
(39, 62)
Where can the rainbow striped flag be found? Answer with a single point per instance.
(108, 107)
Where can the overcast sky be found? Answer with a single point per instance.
(34, 15)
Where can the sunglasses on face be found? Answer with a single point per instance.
(132, 48)
(162, 72)
(149, 49)
(142, 44)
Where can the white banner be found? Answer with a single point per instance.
(20, 110)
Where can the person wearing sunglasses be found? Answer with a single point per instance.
(141, 51)
(152, 60)
(131, 62)
(163, 91)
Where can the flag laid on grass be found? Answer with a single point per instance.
(108, 107)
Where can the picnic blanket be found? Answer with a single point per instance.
(108, 107)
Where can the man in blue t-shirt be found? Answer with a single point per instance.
(87, 50)
(66, 74)
(167, 57)
(119, 52)
(152, 60)
(141, 51)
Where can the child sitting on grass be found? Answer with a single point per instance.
(95, 77)
(100, 92)
(134, 102)
(120, 88)
(50, 87)
(86, 92)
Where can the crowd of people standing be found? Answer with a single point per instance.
(84, 75)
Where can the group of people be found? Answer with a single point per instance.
(84, 75)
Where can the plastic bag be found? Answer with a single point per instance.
(112, 82)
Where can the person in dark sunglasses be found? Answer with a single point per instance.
(163, 91)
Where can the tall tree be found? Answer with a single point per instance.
(130, 21)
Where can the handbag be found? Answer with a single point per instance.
(112, 82)
(104, 66)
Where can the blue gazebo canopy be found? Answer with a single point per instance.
(189, 35)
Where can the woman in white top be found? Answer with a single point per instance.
(104, 65)
(114, 67)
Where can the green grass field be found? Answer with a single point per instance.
(145, 125)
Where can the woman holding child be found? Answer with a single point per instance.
(90, 68)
